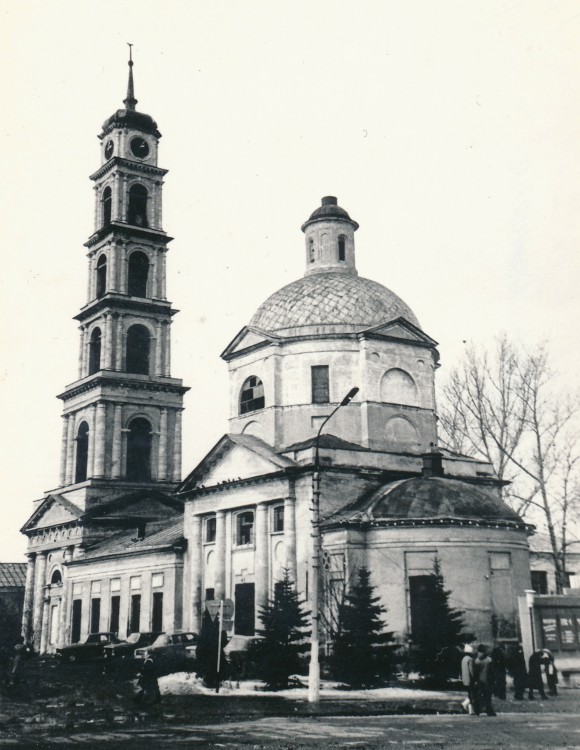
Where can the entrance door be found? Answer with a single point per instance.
(245, 616)
(421, 590)
(77, 609)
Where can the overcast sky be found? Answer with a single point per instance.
(449, 130)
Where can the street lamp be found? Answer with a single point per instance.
(530, 593)
(314, 671)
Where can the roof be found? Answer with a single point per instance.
(331, 299)
(326, 440)
(12, 575)
(159, 535)
(430, 498)
(328, 211)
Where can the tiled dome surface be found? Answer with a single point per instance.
(331, 299)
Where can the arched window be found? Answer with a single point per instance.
(400, 430)
(82, 452)
(107, 206)
(101, 276)
(252, 396)
(138, 272)
(95, 351)
(342, 247)
(56, 578)
(139, 450)
(137, 206)
(398, 387)
(138, 345)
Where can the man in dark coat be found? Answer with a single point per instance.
(519, 672)
(535, 681)
(499, 667)
(483, 673)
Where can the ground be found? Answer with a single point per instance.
(59, 705)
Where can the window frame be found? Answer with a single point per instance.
(238, 528)
(248, 405)
(277, 511)
(210, 520)
(320, 390)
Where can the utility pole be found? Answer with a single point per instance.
(314, 670)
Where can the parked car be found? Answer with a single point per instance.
(168, 648)
(91, 648)
(127, 648)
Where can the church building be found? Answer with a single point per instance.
(123, 544)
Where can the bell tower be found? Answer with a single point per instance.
(122, 416)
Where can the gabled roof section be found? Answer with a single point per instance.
(326, 440)
(55, 510)
(148, 505)
(400, 328)
(248, 339)
(12, 575)
(233, 458)
(158, 536)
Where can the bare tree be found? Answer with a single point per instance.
(505, 407)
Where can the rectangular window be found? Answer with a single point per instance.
(135, 616)
(157, 613)
(320, 389)
(115, 584)
(540, 581)
(278, 518)
(245, 528)
(95, 615)
(210, 529)
(210, 594)
(156, 580)
(115, 609)
(244, 609)
(77, 609)
(342, 247)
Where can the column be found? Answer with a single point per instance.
(194, 548)
(81, 350)
(70, 448)
(100, 440)
(261, 553)
(63, 444)
(155, 280)
(92, 279)
(123, 269)
(220, 551)
(27, 610)
(162, 470)
(113, 260)
(108, 359)
(290, 536)
(62, 638)
(92, 441)
(123, 202)
(167, 349)
(177, 448)
(163, 273)
(117, 442)
(84, 352)
(97, 206)
(158, 348)
(45, 623)
(38, 605)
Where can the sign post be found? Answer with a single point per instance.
(226, 610)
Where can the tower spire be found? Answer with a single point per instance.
(130, 101)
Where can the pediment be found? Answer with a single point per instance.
(147, 505)
(401, 329)
(235, 458)
(249, 338)
(53, 511)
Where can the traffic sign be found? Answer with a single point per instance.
(213, 607)
(228, 610)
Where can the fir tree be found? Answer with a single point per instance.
(439, 639)
(284, 620)
(362, 649)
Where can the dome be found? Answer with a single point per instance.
(328, 211)
(130, 118)
(438, 498)
(331, 299)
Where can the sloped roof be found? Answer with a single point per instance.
(159, 535)
(12, 575)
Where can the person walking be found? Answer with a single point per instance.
(20, 651)
(483, 673)
(498, 659)
(519, 672)
(551, 672)
(535, 681)
(467, 679)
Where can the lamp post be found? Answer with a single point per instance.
(530, 593)
(314, 670)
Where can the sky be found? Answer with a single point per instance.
(448, 130)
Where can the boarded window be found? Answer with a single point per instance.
(320, 384)
(278, 518)
(245, 528)
(252, 395)
(210, 529)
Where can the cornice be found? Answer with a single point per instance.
(128, 230)
(97, 381)
(115, 302)
(131, 166)
(367, 524)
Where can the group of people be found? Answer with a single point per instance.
(483, 673)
